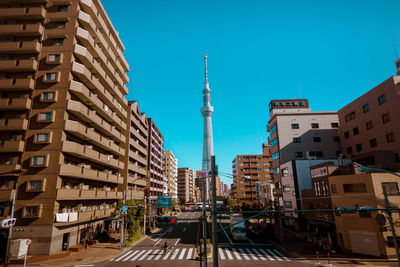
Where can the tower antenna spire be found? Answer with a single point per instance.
(205, 66)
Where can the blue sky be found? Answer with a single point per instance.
(329, 52)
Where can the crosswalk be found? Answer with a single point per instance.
(225, 254)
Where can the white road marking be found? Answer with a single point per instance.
(138, 255)
(251, 241)
(170, 230)
(221, 254)
(174, 255)
(159, 255)
(161, 236)
(244, 254)
(145, 255)
(152, 255)
(126, 254)
(259, 254)
(130, 256)
(236, 254)
(251, 254)
(273, 254)
(228, 253)
(182, 254)
(266, 254)
(176, 242)
(167, 255)
(189, 255)
(280, 254)
(184, 229)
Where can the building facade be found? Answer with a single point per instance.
(297, 133)
(155, 160)
(370, 127)
(186, 185)
(63, 120)
(248, 172)
(136, 153)
(170, 172)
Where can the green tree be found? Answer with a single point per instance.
(231, 202)
(135, 215)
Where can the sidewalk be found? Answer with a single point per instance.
(307, 251)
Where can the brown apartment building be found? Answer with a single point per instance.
(248, 172)
(370, 126)
(62, 120)
(136, 181)
(155, 159)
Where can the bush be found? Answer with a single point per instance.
(136, 237)
(127, 244)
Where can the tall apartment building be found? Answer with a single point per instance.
(170, 172)
(248, 171)
(370, 126)
(155, 159)
(63, 119)
(136, 181)
(186, 185)
(297, 133)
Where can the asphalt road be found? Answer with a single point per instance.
(182, 238)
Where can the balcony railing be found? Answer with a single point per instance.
(16, 84)
(18, 65)
(20, 47)
(21, 29)
(15, 103)
(86, 173)
(11, 146)
(84, 216)
(13, 124)
(75, 194)
(21, 13)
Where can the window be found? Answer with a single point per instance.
(381, 99)
(314, 125)
(356, 131)
(349, 150)
(286, 188)
(62, 9)
(336, 139)
(54, 58)
(319, 154)
(298, 154)
(295, 126)
(373, 143)
(333, 188)
(346, 135)
(31, 211)
(350, 116)
(390, 138)
(44, 137)
(334, 125)
(288, 204)
(274, 142)
(354, 188)
(392, 189)
(285, 172)
(35, 185)
(273, 129)
(369, 125)
(51, 76)
(386, 118)
(58, 41)
(60, 25)
(296, 140)
(302, 103)
(358, 147)
(366, 108)
(45, 116)
(276, 170)
(275, 155)
(39, 160)
(317, 139)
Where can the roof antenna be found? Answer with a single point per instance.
(205, 65)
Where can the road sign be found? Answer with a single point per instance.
(124, 208)
(164, 202)
(29, 241)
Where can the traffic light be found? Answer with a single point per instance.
(142, 206)
(8, 222)
(166, 219)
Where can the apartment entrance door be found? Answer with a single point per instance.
(65, 241)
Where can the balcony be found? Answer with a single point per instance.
(18, 65)
(86, 173)
(20, 47)
(74, 194)
(21, 13)
(13, 124)
(136, 157)
(93, 137)
(21, 29)
(16, 84)
(86, 152)
(6, 194)
(10, 169)
(136, 181)
(15, 103)
(11, 146)
(137, 169)
(84, 216)
(135, 195)
(93, 119)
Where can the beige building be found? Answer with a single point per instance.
(63, 120)
(297, 133)
(155, 160)
(186, 185)
(359, 232)
(136, 154)
(171, 173)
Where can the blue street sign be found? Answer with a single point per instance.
(164, 201)
(124, 208)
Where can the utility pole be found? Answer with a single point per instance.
(144, 216)
(11, 227)
(122, 225)
(214, 213)
(204, 224)
(389, 213)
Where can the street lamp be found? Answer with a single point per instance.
(388, 210)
